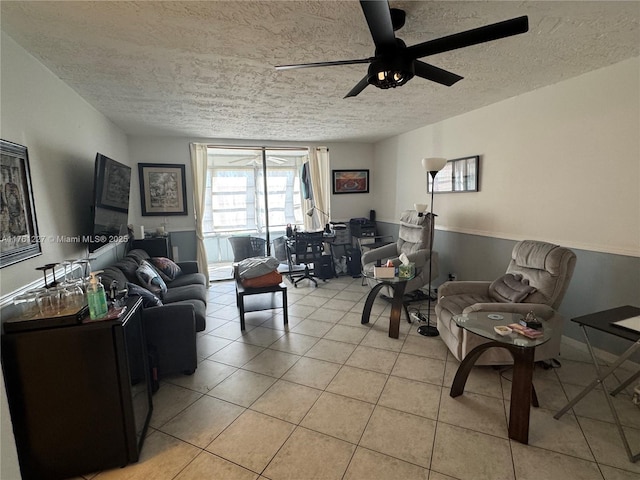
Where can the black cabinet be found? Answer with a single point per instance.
(79, 396)
(362, 228)
(156, 246)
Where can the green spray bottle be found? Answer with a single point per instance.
(96, 298)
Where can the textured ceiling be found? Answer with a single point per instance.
(205, 69)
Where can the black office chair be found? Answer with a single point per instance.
(308, 249)
(247, 247)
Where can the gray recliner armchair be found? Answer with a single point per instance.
(545, 267)
(414, 238)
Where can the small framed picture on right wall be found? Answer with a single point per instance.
(458, 175)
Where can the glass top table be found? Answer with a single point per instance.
(522, 350)
(482, 323)
(398, 286)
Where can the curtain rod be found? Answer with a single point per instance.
(247, 147)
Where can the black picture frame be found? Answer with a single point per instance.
(113, 184)
(350, 181)
(163, 189)
(19, 239)
(459, 175)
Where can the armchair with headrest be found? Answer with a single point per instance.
(536, 280)
(414, 239)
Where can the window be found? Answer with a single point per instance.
(236, 199)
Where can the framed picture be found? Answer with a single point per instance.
(163, 189)
(458, 175)
(350, 181)
(19, 238)
(113, 184)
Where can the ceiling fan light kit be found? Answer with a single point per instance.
(394, 64)
(390, 72)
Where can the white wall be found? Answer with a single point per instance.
(62, 133)
(176, 150)
(560, 164)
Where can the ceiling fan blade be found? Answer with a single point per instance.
(243, 159)
(378, 15)
(435, 74)
(487, 33)
(324, 64)
(276, 160)
(362, 84)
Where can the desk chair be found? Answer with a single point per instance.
(308, 249)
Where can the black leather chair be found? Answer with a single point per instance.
(307, 250)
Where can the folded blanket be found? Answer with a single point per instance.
(268, 280)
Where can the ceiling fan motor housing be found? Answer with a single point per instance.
(390, 70)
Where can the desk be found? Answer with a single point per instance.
(523, 351)
(398, 286)
(602, 321)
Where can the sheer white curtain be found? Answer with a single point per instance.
(199, 173)
(320, 186)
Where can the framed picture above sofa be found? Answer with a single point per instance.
(163, 189)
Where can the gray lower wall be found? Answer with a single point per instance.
(600, 280)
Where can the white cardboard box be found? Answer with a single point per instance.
(384, 272)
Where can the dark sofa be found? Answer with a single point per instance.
(171, 328)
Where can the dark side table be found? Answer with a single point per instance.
(603, 321)
(522, 350)
(398, 286)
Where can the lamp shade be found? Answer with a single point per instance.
(420, 207)
(433, 164)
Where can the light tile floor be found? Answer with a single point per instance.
(329, 398)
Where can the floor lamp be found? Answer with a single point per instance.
(432, 166)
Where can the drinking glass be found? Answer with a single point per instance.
(27, 304)
(75, 296)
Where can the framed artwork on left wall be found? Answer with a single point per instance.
(19, 238)
(163, 189)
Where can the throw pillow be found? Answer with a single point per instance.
(510, 288)
(268, 280)
(256, 266)
(167, 269)
(149, 278)
(148, 298)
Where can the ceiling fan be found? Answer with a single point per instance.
(394, 64)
